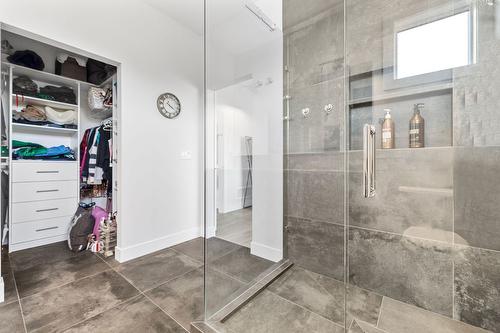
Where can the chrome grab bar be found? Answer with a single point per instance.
(369, 161)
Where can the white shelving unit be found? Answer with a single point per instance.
(52, 186)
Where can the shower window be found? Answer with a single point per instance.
(431, 47)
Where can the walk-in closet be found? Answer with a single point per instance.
(59, 144)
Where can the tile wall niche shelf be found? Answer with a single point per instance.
(447, 192)
(404, 94)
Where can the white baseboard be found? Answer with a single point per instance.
(2, 288)
(266, 252)
(211, 232)
(141, 249)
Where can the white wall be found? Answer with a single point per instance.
(160, 193)
(254, 108)
(266, 63)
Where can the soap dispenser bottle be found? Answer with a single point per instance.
(388, 131)
(417, 126)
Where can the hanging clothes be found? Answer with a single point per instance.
(95, 156)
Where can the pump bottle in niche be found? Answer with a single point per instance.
(388, 131)
(417, 127)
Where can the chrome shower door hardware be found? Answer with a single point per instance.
(328, 109)
(369, 161)
(306, 112)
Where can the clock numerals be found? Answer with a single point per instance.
(169, 105)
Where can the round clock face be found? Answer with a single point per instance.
(169, 105)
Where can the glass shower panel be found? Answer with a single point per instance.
(244, 144)
(423, 252)
(314, 161)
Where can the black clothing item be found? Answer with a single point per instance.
(98, 72)
(61, 94)
(27, 58)
(23, 85)
(104, 158)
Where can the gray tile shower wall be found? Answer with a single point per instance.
(477, 204)
(414, 193)
(411, 270)
(430, 236)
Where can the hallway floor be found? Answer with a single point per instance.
(50, 289)
(236, 226)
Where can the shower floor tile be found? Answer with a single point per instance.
(269, 312)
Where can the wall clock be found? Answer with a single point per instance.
(168, 105)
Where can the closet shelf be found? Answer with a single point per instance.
(46, 77)
(43, 102)
(27, 128)
(406, 93)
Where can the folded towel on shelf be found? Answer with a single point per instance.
(61, 117)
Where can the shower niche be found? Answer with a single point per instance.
(374, 91)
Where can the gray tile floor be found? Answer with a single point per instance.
(236, 226)
(50, 289)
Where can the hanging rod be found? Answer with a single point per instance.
(261, 16)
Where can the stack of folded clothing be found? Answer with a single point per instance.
(45, 116)
(34, 151)
(25, 86)
(60, 94)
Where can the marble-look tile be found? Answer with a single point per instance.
(296, 11)
(397, 209)
(476, 184)
(362, 305)
(183, 297)
(412, 270)
(61, 308)
(54, 274)
(315, 195)
(46, 254)
(268, 312)
(136, 315)
(401, 317)
(316, 246)
(242, 265)
(325, 161)
(362, 327)
(477, 287)
(317, 132)
(11, 320)
(315, 292)
(154, 269)
(216, 248)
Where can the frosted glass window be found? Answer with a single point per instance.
(431, 47)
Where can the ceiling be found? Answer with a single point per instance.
(230, 25)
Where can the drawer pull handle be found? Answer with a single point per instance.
(48, 171)
(45, 229)
(45, 191)
(46, 210)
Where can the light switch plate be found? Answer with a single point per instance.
(186, 155)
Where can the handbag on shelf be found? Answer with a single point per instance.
(98, 100)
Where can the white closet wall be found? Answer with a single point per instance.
(161, 193)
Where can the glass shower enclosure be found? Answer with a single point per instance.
(353, 154)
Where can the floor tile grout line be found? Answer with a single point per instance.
(304, 308)
(64, 284)
(143, 294)
(380, 312)
(215, 269)
(100, 313)
(18, 299)
(172, 279)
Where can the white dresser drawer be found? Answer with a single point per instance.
(38, 210)
(41, 171)
(30, 231)
(36, 191)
